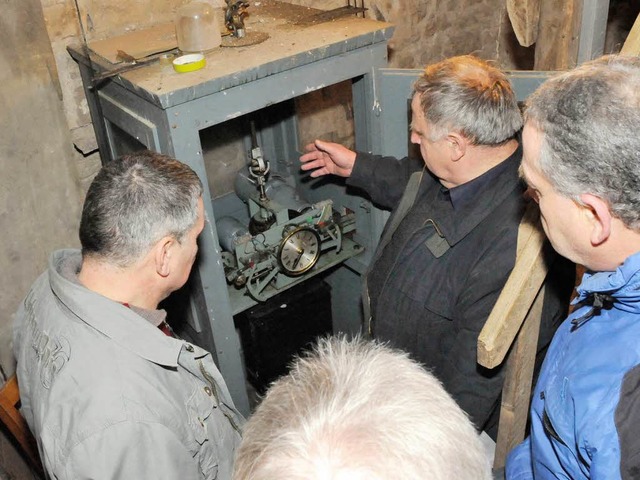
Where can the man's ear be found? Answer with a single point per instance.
(600, 217)
(163, 251)
(458, 145)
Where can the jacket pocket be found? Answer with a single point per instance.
(563, 449)
(199, 410)
(442, 307)
(431, 291)
(550, 429)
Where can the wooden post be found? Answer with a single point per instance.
(517, 311)
(558, 34)
(516, 391)
(517, 295)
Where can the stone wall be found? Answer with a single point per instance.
(430, 30)
(426, 31)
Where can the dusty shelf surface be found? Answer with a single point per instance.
(288, 45)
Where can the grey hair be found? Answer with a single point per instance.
(357, 409)
(135, 201)
(589, 118)
(469, 96)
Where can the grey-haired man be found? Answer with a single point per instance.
(106, 389)
(450, 243)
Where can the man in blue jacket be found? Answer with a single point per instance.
(582, 164)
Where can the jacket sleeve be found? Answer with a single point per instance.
(627, 419)
(130, 450)
(383, 178)
(519, 465)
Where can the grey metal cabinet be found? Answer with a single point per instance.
(157, 108)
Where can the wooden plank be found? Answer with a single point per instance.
(632, 43)
(516, 391)
(12, 419)
(524, 16)
(330, 15)
(517, 296)
(138, 44)
(518, 312)
(558, 34)
(529, 225)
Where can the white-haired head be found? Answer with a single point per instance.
(359, 410)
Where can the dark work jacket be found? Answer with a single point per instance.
(446, 274)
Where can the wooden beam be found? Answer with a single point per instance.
(517, 295)
(558, 34)
(513, 327)
(524, 16)
(516, 390)
(632, 43)
(11, 418)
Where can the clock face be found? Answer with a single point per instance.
(299, 251)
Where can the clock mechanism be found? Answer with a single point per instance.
(299, 251)
(286, 239)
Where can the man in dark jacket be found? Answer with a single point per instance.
(450, 243)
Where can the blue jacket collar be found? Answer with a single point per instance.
(623, 284)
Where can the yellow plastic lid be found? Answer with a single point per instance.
(189, 63)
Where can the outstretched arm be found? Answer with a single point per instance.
(324, 158)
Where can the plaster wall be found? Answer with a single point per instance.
(39, 194)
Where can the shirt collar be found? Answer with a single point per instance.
(498, 183)
(123, 325)
(70, 269)
(467, 192)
